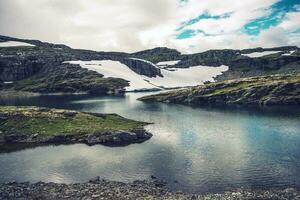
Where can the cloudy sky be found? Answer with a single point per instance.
(132, 25)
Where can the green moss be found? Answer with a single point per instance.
(46, 122)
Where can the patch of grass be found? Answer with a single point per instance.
(47, 122)
(246, 83)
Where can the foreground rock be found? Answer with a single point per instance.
(263, 90)
(34, 125)
(102, 189)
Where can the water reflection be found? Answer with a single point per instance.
(197, 149)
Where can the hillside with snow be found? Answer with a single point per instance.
(36, 66)
(15, 44)
(171, 77)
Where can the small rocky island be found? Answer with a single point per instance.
(36, 125)
(261, 90)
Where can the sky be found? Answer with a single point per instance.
(132, 25)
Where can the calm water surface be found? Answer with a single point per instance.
(193, 149)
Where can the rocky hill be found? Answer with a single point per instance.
(41, 66)
(263, 90)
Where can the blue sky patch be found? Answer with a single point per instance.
(188, 33)
(277, 13)
(200, 17)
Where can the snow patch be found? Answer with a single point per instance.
(183, 77)
(260, 54)
(115, 69)
(172, 77)
(15, 44)
(168, 63)
(288, 54)
(8, 82)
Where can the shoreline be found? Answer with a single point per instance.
(98, 188)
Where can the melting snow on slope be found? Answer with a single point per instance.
(172, 78)
(260, 54)
(288, 54)
(183, 77)
(15, 44)
(116, 69)
(168, 63)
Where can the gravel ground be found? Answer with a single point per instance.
(144, 190)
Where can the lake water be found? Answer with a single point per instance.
(193, 149)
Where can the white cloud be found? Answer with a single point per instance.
(291, 21)
(132, 25)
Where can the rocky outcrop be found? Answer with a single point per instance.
(13, 69)
(33, 125)
(141, 67)
(265, 90)
(98, 188)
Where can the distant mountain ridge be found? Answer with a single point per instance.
(41, 68)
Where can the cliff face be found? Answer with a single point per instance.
(16, 69)
(265, 90)
(141, 67)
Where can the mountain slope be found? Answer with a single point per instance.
(38, 67)
(35, 66)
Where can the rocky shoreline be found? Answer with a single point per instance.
(261, 90)
(109, 138)
(102, 189)
(35, 125)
